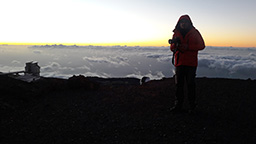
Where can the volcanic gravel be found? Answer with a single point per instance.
(120, 110)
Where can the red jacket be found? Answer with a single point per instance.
(194, 41)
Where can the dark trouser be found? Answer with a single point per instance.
(188, 74)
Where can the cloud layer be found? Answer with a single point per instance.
(228, 63)
(123, 61)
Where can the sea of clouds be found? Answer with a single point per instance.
(124, 61)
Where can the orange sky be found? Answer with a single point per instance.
(133, 22)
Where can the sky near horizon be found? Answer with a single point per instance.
(125, 22)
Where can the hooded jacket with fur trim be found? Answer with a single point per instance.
(192, 39)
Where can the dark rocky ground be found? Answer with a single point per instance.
(96, 110)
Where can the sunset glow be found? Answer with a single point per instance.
(111, 22)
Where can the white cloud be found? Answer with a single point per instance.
(15, 62)
(230, 65)
(7, 69)
(54, 66)
(139, 75)
(37, 52)
(54, 69)
(84, 68)
(115, 61)
(132, 62)
(244, 70)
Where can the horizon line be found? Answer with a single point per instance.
(111, 44)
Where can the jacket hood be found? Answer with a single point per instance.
(181, 18)
(185, 17)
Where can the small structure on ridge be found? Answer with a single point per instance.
(32, 68)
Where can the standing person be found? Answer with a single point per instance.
(186, 43)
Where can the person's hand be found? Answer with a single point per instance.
(183, 47)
